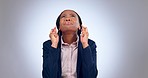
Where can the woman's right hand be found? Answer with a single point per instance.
(54, 37)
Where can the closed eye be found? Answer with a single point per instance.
(63, 16)
(72, 15)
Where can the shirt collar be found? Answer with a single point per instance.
(74, 43)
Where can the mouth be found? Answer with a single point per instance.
(68, 23)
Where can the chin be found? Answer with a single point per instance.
(69, 30)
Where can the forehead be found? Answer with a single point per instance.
(68, 12)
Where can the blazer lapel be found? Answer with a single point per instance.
(79, 58)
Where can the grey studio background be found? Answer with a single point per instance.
(119, 28)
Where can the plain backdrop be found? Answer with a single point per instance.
(119, 28)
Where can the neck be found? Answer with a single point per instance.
(69, 38)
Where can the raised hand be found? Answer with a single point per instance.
(54, 37)
(84, 37)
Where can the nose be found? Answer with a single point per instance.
(67, 19)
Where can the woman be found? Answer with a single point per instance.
(69, 53)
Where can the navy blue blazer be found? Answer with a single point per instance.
(86, 61)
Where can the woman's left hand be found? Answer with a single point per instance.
(84, 37)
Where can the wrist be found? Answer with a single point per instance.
(85, 45)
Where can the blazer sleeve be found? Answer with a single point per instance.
(89, 64)
(50, 60)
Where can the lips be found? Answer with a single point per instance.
(68, 23)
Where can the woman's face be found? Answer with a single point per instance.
(69, 21)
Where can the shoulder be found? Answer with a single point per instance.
(47, 43)
(92, 43)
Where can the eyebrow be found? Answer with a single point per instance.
(62, 14)
(70, 14)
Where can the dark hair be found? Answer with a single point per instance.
(58, 23)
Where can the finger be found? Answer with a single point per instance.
(51, 31)
(53, 35)
(82, 30)
(84, 33)
(86, 29)
(54, 29)
(83, 26)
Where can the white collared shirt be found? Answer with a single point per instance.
(69, 59)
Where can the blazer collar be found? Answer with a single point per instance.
(79, 57)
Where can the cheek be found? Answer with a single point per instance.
(75, 21)
(60, 22)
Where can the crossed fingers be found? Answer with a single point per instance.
(84, 31)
